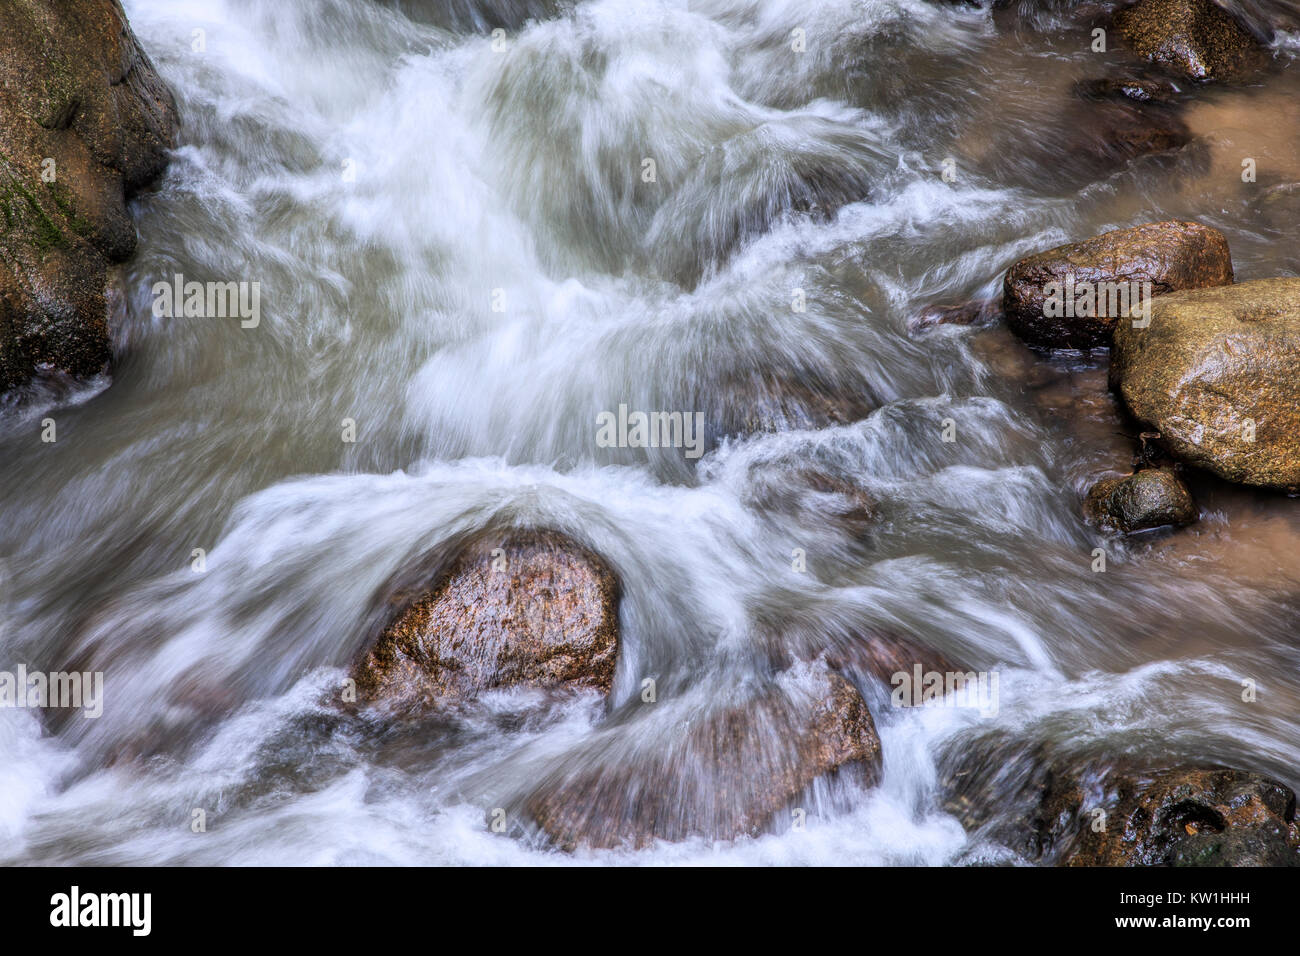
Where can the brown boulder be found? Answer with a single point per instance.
(1216, 374)
(1169, 255)
(719, 775)
(528, 608)
(1195, 38)
(1147, 499)
(84, 123)
(1193, 817)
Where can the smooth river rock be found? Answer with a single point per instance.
(1152, 498)
(1169, 255)
(1217, 374)
(85, 123)
(522, 608)
(721, 776)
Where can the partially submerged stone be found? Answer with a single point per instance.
(811, 495)
(1217, 374)
(522, 608)
(1073, 296)
(1152, 498)
(720, 775)
(974, 312)
(1193, 817)
(1137, 87)
(1059, 808)
(1197, 39)
(85, 122)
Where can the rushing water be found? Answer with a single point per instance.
(457, 251)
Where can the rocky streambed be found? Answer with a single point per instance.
(949, 517)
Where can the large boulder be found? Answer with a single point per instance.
(1197, 39)
(520, 608)
(1192, 817)
(85, 123)
(720, 775)
(1217, 374)
(1151, 498)
(1103, 275)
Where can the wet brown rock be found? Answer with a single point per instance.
(1043, 802)
(1217, 374)
(722, 775)
(1027, 796)
(1195, 38)
(541, 612)
(1169, 255)
(1193, 817)
(1147, 499)
(84, 123)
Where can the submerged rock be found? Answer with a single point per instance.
(721, 776)
(773, 400)
(530, 608)
(1193, 817)
(886, 654)
(1217, 374)
(85, 123)
(1195, 38)
(743, 186)
(1141, 88)
(811, 495)
(974, 312)
(1147, 499)
(1102, 276)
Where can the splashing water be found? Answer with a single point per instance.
(459, 251)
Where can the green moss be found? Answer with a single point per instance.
(39, 229)
(63, 198)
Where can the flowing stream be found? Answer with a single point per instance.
(458, 252)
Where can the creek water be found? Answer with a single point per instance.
(458, 251)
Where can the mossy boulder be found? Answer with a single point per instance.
(85, 123)
(1217, 374)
